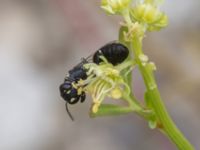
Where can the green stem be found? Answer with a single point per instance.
(136, 106)
(110, 109)
(166, 123)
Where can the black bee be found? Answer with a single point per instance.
(115, 53)
(69, 91)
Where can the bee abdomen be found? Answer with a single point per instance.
(115, 53)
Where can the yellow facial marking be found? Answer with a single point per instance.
(74, 85)
(79, 90)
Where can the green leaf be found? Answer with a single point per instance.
(152, 121)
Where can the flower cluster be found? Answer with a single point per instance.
(106, 81)
(115, 6)
(150, 15)
(143, 14)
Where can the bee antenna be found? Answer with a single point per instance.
(70, 115)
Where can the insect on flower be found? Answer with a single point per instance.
(73, 88)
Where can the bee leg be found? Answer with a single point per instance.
(83, 96)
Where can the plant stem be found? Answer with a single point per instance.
(110, 109)
(166, 123)
(136, 106)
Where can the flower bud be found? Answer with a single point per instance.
(136, 30)
(161, 23)
(115, 6)
(150, 15)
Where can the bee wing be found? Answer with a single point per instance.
(84, 61)
(89, 59)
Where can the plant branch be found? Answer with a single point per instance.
(166, 123)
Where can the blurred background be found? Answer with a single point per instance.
(40, 40)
